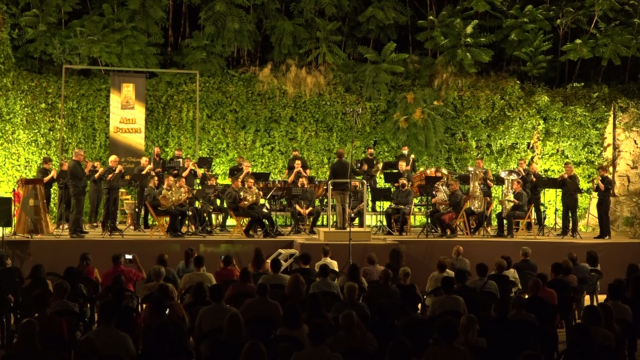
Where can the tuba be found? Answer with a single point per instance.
(507, 193)
(476, 198)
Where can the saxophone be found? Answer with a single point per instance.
(476, 198)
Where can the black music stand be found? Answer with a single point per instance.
(464, 179)
(292, 193)
(135, 181)
(390, 166)
(427, 189)
(392, 177)
(261, 176)
(381, 195)
(206, 192)
(205, 162)
(545, 183)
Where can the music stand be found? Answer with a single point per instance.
(292, 193)
(205, 162)
(464, 179)
(392, 177)
(390, 166)
(201, 195)
(551, 183)
(261, 176)
(427, 189)
(381, 195)
(30, 198)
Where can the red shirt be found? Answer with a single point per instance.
(130, 276)
(226, 273)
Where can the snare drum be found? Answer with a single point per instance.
(130, 208)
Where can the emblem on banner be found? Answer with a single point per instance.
(128, 97)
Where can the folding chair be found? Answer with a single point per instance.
(527, 219)
(396, 228)
(161, 221)
(461, 221)
(485, 229)
(240, 223)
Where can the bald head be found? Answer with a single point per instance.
(457, 251)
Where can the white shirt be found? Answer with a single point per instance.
(434, 281)
(327, 260)
(446, 303)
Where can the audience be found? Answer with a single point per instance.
(85, 268)
(186, 266)
(27, 345)
(261, 307)
(545, 293)
(352, 337)
(199, 296)
(163, 306)
(110, 341)
(130, 275)
(317, 349)
(324, 283)
(581, 271)
(170, 276)
(213, 316)
(258, 263)
(448, 301)
(385, 293)
(156, 275)
(326, 259)
(396, 261)
(442, 270)
(615, 294)
(468, 330)
(61, 290)
(243, 285)
(199, 274)
(37, 279)
(445, 347)
(518, 311)
(501, 279)
(567, 273)
(296, 290)
(253, 350)
(351, 302)
(510, 272)
(354, 276)
(308, 274)
(458, 262)
(525, 264)
(632, 270)
(228, 270)
(592, 318)
(292, 324)
(275, 277)
(371, 272)
(409, 292)
(593, 263)
(482, 283)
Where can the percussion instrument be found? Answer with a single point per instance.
(33, 210)
(130, 208)
(417, 180)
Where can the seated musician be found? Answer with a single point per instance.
(235, 169)
(305, 204)
(297, 172)
(434, 208)
(405, 171)
(402, 201)
(238, 207)
(214, 203)
(357, 204)
(250, 184)
(240, 175)
(152, 196)
(195, 215)
(517, 211)
(446, 219)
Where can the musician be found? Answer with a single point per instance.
(112, 176)
(246, 170)
(95, 193)
(152, 196)
(295, 155)
(402, 199)
(265, 214)
(185, 209)
(486, 185)
(603, 188)
(48, 176)
(211, 203)
(524, 176)
(64, 197)
(404, 170)
(297, 172)
(342, 170)
(78, 171)
(235, 169)
(158, 164)
(190, 172)
(536, 190)
(434, 206)
(570, 185)
(357, 204)
(518, 210)
(445, 220)
(305, 204)
(408, 158)
(144, 169)
(237, 206)
(369, 175)
(176, 162)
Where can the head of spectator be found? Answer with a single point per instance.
(591, 316)
(61, 290)
(525, 253)
(573, 258)
(457, 251)
(615, 291)
(443, 264)
(404, 276)
(608, 317)
(253, 350)
(447, 331)
(348, 321)
(5, 260)
(164, 292)
(71, 275)
(198, 292)
(262, 290)
(318, 333)
(633, 269)
(500, 266)
(396, 258)
(567, 267)
(118, 281)
(84, 262)
(305, 259)
(447, 284)
(189, 254)
(592, 259)
(351, 292)
(535, 285)
(233, 329)
(461, 277)
(198, 263)
(296, 287)
(245, 276)
(468, 329)
(508, 261)
(326, 251)
(216, 293)
(108, 313)
(399, 349)
(162, 260)
(385, 277)
(28, 335)
(353, 273)
(518, 303)
(324, 271)
(117, 259)
(482, 270)
(544, 279)
(556, 270)
(258, 261)
(37, 273)
(292, 317)
(227, 261)
(157, 273)
(276, 266)
(372, 259)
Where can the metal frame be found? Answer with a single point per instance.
(364, 199)
(79, 67)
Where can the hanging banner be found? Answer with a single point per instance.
(127, 119)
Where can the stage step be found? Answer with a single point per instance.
(357, 235)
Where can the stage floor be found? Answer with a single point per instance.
(421, 254)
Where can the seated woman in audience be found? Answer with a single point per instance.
(511, 273)
(567, 273)
(233, 338)
(59, 302)
(85, 268)
(186, 266)
(409, 292)
(37, 279)
(353, 275)
(593, 263)
(468, 329)
(580, 344)
(199, 296)
(170, 276)
(501, 279)
(157, 275)
(258, 263)
(119, 293)
(77, 292)
(163, 306)
(442, 270)
(295, 290)
(317, 349)
(292, 325)
(396, 261)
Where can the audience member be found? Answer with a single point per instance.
(445, 347)
(326, 259)
(52, 332)
(396, 261)
(316, 349)
(243, 285)
(471, 296)
(261, 307)
(468, 330)
(111, 342)
(296, 290)
(352, 337)
(324, 283)
(442, 270)
(233, 338)
(27, 346)
(482, 283)
(304, 269)
(632, 270)
(130, 275)
(199, 299)
(167, 340)
(592, 317)
(292, 324)
(315, 311)
(86, 349)
(61, 291)
(156, 275)
(581, 271)
(593, 263)
(354, 276)
(37, 279)
(501, 279)
(567, 273)
(371, 272)
(615, 294)
(518, 311)
(118, 292)
(448, 301)
(580, 344)
(163, 306)
(275, 278)
(170, 276)
(352, 303)
(458, 262)
(85, 267)
(213, 316)
(228, 270)
(199, 274)
(383, 293)
(510, 272)
(253, 350)
(547, 294)
(525, 264)
(186, 266)
(77, 291)
(409, 292)
(258, 263)
(609, 323)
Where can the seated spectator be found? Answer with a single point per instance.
(448, 301)
(567, 273)
(632, 270)
(546, 315)
(130, 275)
(442, 270)
(60, 292)
(304, 270)
(580, 344)
(315, 311)
(253, 350)
(233, 338)
(518, 311)
(471, 296)
(409, 292)
(581, 271)
(326, 259)
(170, 276)
(37, 279)
(243, 285)
(458, 262)
(213, 316)
(317, 349)
(468, 330)
(323, 283)
(86, 349)
(258, 263)
(352, 337)
(383, 293)
(228, 270)
(445, 343)
(168, 340)
(525, 264)
(27, 346)
(547, 294)
(261, 307)
(199, 274)
(563, 291)
(52, 329)
(501, 279)
(295, 290)
(292, 324)
(163, 306)
(353, 275)
(77, 292)
(396, 261)
(199, 299)
(186, 266)
(482, 283)
(156, 275)
(118, 292)
(352, 303)
(371, 272)
(85, 267)
(615, 294)
(592, 317)
(609, 323)
(510, 272)
(111, 342)
(275, 278)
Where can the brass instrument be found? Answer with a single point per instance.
(442, 195)
(476, 198)
(507, 193)
(250, 196)
(168, 198)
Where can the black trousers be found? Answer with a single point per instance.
(372, 183)
(570, 209)
(535, 200)
(173, 215)
(64, 207)
(512, 214)
(141, 209)
(110, 207)
(77, 209)
(488, 195)
(359, 214)
(314, 214)
(604, 222)
(391, 212)
(439, 222)
(254, 219)
(47, 198)
(480, 219)
(264, 214)
(95, 198)
(184, 212)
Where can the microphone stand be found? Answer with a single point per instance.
(356, 116)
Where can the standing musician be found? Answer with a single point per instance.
(190, 172)
(152, 196)
(517, 211)
(95, 193)
(357, 204)
(176, 161)
(48, 175)
(211, 204)
(144, 168)
(485, 187)
(524, 176)
(402, 201)
(409, 159)
(78, 171)
(64, 197)
(603, 188)
(295, 155)
(446, 219)
(404, 170)
(237, 206)
(158, 165)
(246, 170)
(235, 169)
(111, 186)
(297, 172)
(341, 169)
(369, 176)
(265, 214)
(305, 204)
(570, 185)
(536, 190)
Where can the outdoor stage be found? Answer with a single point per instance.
(420, 254)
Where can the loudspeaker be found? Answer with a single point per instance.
(5, 212)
